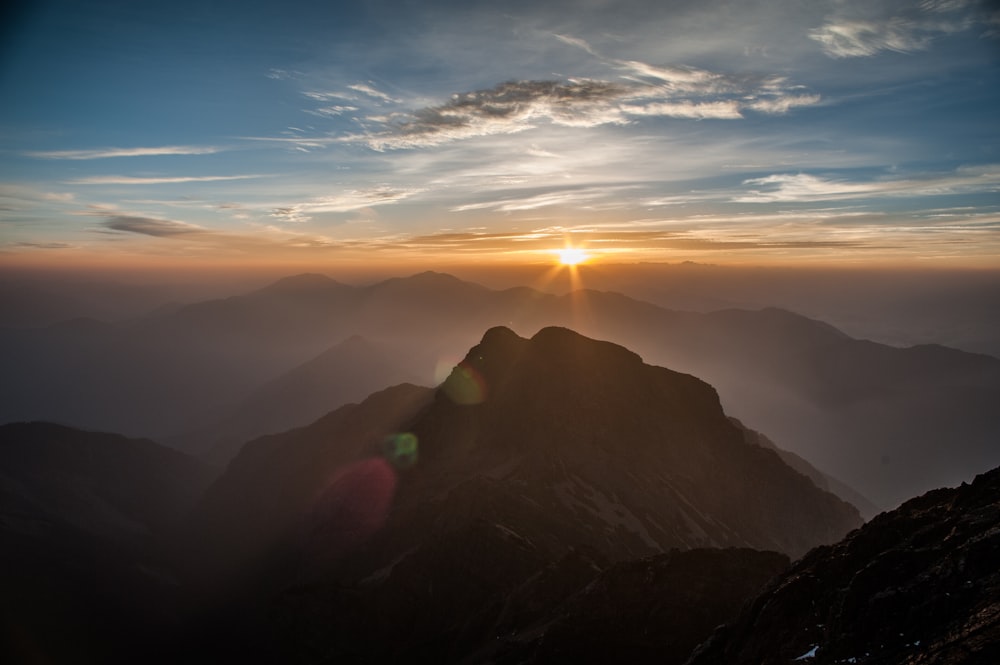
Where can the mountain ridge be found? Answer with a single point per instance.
(852, 408)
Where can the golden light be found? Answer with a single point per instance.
(571, 256)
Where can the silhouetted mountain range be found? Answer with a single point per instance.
(556, 499)
(889, 422)
(426, 509)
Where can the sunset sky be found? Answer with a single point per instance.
(311, 133)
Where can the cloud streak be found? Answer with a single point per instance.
(151, 226)
(802, 187)
(349, 201)
(107, 153)
(155, 180)
(866, 29)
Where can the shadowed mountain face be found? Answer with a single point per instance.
(345, 373)
(919, 584)
(406, 520)
(85, 519)
(653, 610)
(889, 422)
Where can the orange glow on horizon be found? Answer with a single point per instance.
(571, 256)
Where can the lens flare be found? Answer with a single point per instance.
(465, 385)
(401, 449)
(353, 506)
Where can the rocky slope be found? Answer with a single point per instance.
(919, 584)
(399, 527)
(86, 522)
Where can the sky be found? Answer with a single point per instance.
(306, 133)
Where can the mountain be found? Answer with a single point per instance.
(419, 508)
(820, 479)
(652, 610)
(346, 372)
(918, 584)
(888, 422)
(85, 519)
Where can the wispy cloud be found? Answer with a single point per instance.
(43, 245)
(106, 153)
(357, 199)
(155, 180)
(804, 187)
(18, 196)
(151, 226)
(865, 29)
(575, 196)
(543, 241)
(517, 106)
(371, 91)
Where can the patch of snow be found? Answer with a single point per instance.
(808, 654)
(385, 571)
(612, 513)
(510, 532)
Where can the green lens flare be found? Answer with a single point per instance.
(401, 449)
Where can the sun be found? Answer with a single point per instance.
(571, 256)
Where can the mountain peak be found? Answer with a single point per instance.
(307, 281)
(429, 280)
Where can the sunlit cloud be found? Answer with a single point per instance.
(724, 110)
(106, 153)
(346, 202)
(645, 90)
(865, 29)
(611, 241)
(805, 187)
(545, 199)
(369, 90)
(156, 180)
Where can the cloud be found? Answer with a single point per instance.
(803, 187)
(44, 245)
(517, 106)
(105, 153)
(164, 180)
(604, 241)
(577, 42)
(549, 198)
(21, 196)
(346, 202)
(866, 29)
(372, 92)
(332, 111)
(508, 108)
(150, 226)
(723, 110)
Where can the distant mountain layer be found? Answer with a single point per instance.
(919, 584)
(888, 422)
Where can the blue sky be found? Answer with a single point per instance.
(314, 133)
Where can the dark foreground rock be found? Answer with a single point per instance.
(918, 585)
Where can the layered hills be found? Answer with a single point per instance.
(888, 422)
(555, 499)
